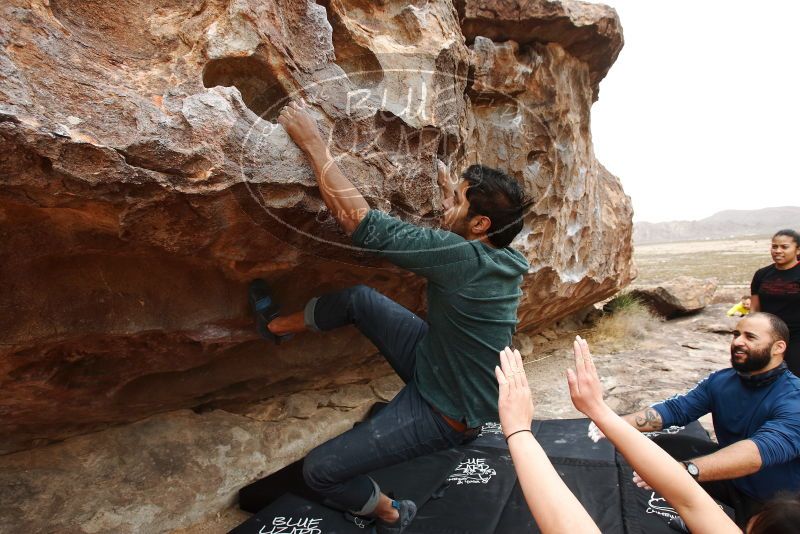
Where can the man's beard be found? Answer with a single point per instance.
(755, 361)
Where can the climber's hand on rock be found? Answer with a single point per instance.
(446, 184)
(299, 124)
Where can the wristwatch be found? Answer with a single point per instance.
(692, 469)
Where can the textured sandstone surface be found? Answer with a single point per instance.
(144, 182)
(170, 470)
(589, 32)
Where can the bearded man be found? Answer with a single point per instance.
(755, 406)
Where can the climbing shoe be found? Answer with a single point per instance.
(265, 308)
(407, 510)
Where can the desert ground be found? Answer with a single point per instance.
(643, 358)
(731, 261)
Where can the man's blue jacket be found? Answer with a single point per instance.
(768, 415)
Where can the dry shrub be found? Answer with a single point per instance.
(626, 321)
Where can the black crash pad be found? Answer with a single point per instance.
(601, 480)
(261, 493)
(417, 479)
(473, 489)
(291, 514)
(646, 511)
(595, 484)
(473, 501)
(588, 469)
(568, 438)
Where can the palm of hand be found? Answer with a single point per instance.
(516, 412)
(585, 388)
(514, 398)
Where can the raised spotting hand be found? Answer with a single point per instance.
(585, 388)
(514, 401)
(554, 507)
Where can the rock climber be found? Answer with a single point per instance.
(447, 361)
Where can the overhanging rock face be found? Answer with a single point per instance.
(589, 32)
(144, 182)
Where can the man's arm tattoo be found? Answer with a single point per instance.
(649, 419)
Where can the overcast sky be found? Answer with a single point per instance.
(701, 111)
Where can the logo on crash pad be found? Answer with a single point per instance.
(658, 505)
(291, 525)
(472, 471)
(491, 429)
(664, 431)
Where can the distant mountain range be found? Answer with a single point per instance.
(725, 224)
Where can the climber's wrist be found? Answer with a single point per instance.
(314, 145)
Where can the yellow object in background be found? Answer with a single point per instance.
(739, 309)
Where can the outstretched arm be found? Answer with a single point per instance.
(346, 203)
(552, 504)
(668, 477)
(736, 460)
(678, 410)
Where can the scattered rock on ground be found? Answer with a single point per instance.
(644, 371)
(679, 296)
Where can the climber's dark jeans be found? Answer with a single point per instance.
(406, 428)
(685, 448)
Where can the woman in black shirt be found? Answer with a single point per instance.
(776, 290)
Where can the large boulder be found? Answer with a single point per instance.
(144, 181)
(680, 296)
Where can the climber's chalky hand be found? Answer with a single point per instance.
(446, 184)
(299, 124)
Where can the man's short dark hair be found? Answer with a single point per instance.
(498, 196)
(780, 332)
